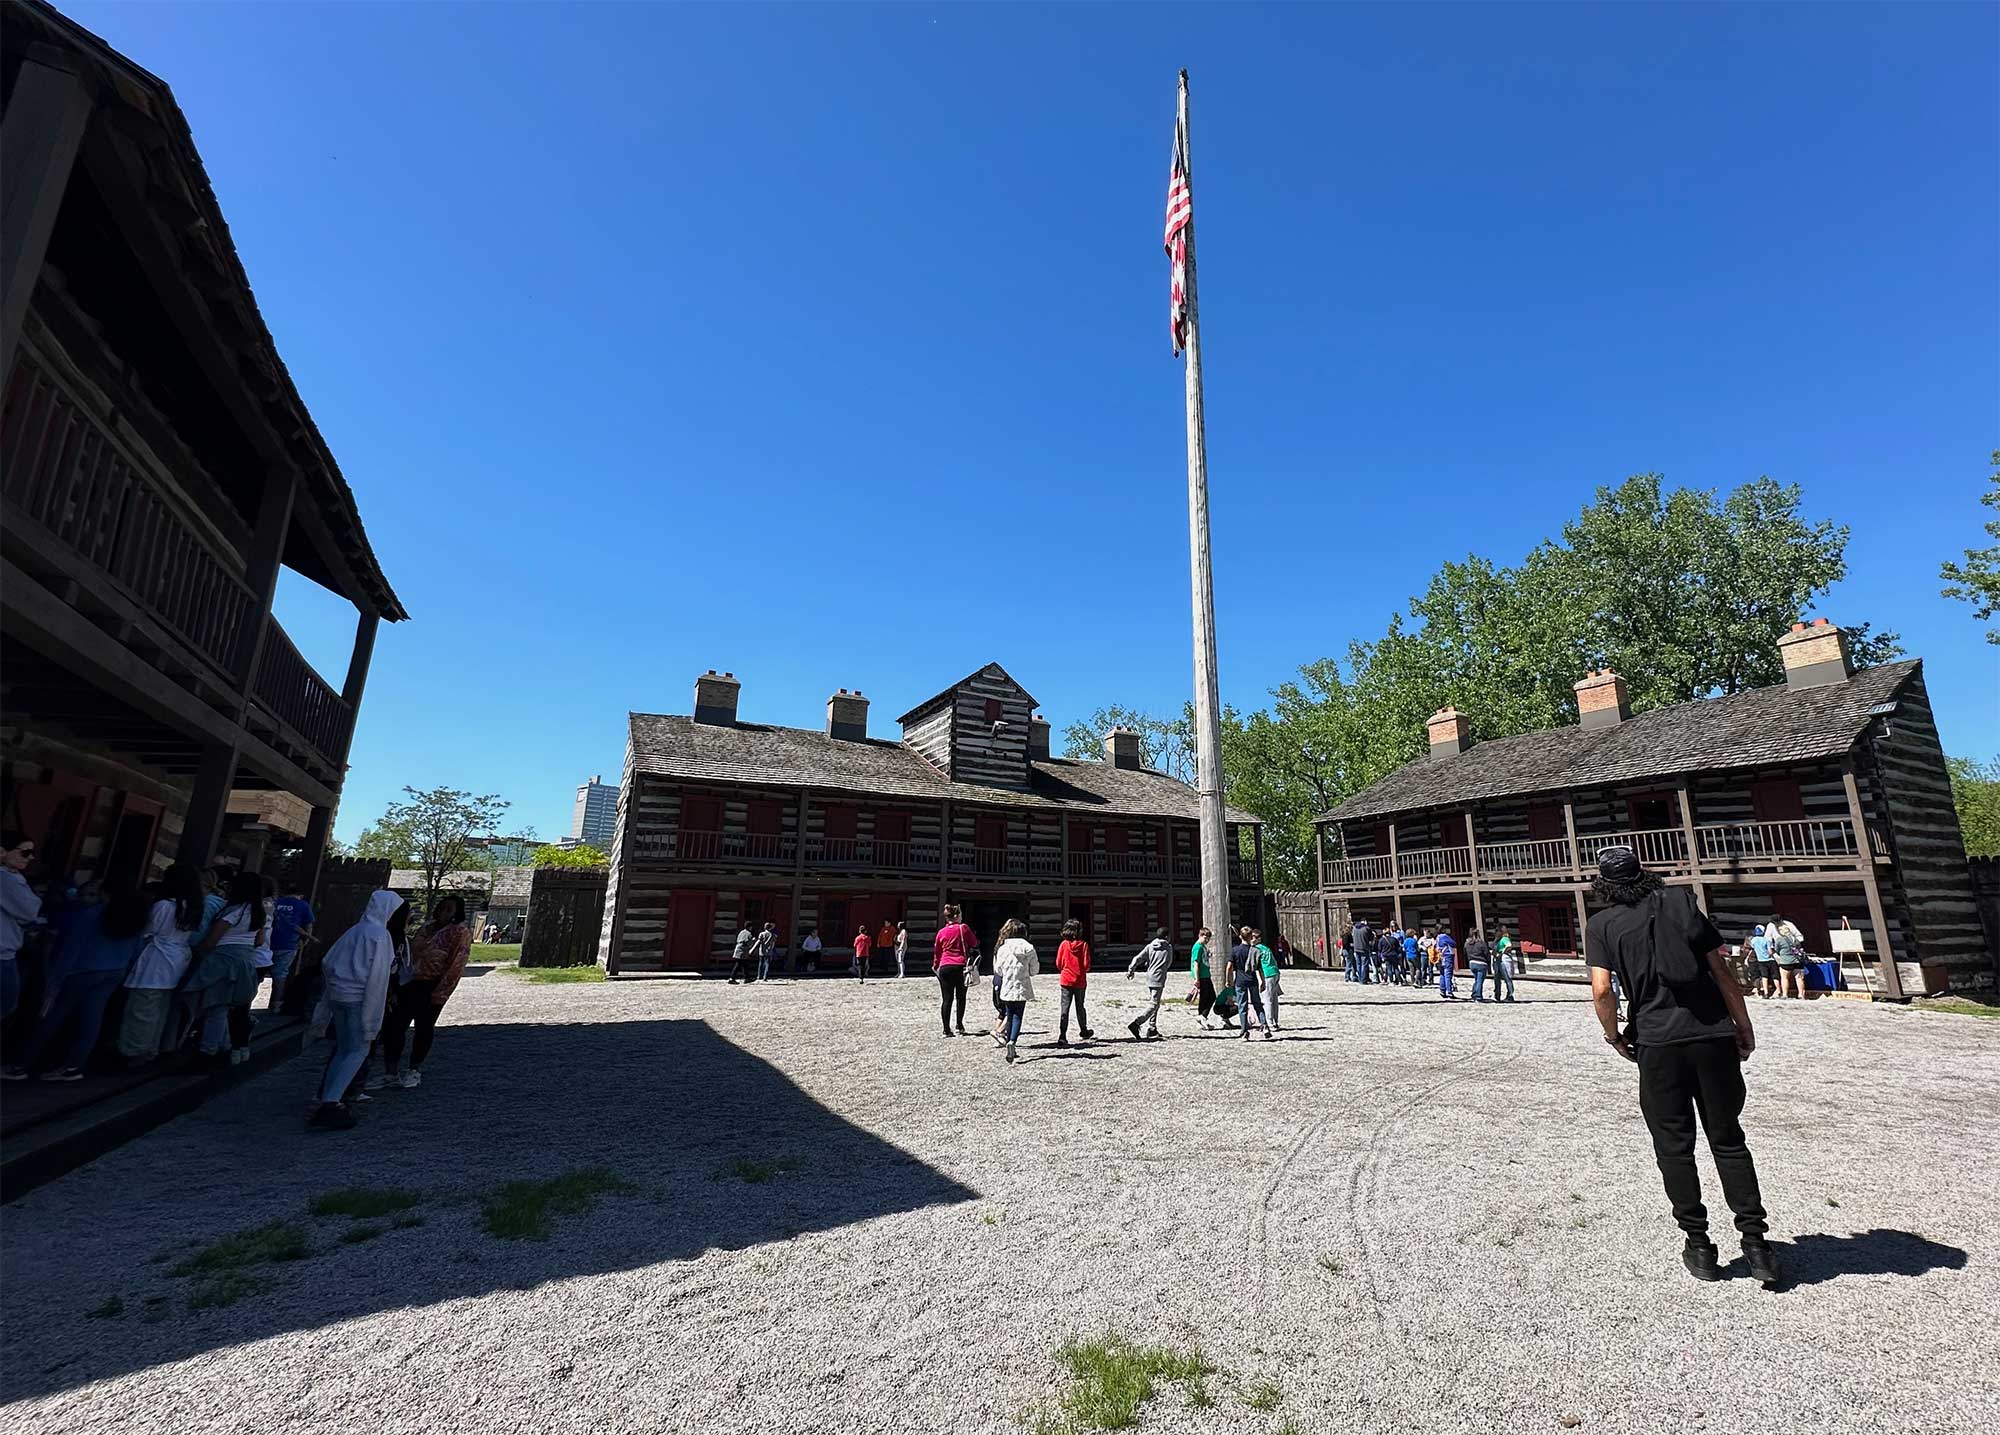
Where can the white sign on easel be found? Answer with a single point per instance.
(1846, 942)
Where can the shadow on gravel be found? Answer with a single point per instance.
(716, 1149)
(1809, 1260)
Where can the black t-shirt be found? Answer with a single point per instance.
(1663, 1014)
(1244, 959)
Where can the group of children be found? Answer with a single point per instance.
(1415, 957)
(187, 955)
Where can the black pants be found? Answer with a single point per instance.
(1207, 993)
(413, 1005)
(1675, 1084)
(951, 990)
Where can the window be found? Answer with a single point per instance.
(993, 710)
(840, 823)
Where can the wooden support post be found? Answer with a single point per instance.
(39, 137)
(1569, 826)
(1319, 854)
(1687, 836)
(798, 878)
(944, 860)
(260, 575)
(1892, 980)
(1472, 864)
(1582, 919)
(201, 829)
(319, 826)
(1395, 877)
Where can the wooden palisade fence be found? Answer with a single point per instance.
(565, 917)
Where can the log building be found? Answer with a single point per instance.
(157, 467)
(1823, 799)
(723, 822)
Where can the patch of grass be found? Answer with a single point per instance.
(112, 1309)
(1332, 1265)
(1290, 1427)
(1576, 1196)
(1110, 1378)
(545, 976)
(355, 1235)
(1261, 1395)
(256, 1246)
(1955, 1006)
(755, 1173)
(527, 1210)
(222, 1288)
(1831, 1202)
(495, 953)
(366, 1203)
(991, 1218)
(1579, 1221)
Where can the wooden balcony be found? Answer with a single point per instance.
(1720, 850)
(116, 540)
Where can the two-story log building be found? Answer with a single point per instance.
(1824, 800)
(157, 467)
(723, 822)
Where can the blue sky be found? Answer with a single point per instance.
(828, 344)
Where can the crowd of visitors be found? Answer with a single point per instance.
(1417, 956)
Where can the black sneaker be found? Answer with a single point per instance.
(1062, 1041)
(1699, 1257)
(332, 1116)
(1133, 1027)
(1763, 1262)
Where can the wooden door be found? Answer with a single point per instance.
(701, 814)
(1118, 840)
(766, 817)
(1528, 925)
(989, 834)
(1653, 812)
(1545, 823)
(1807, 912)
(892, 827)
(690, 930)
(132, 843)
(841, 824)
(1778, 799)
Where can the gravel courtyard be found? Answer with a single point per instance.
(1405, 1215)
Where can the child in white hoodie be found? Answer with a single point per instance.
(1014, 968)
(356, 974)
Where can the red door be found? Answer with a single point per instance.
(1545, 824)
(841, 825)
(1807, 912)
(701, 829)
(1528, 921)
(690, 930)
(1778, 800)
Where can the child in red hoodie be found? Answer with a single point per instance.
(1073, 973)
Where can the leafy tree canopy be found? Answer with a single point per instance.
(429, 832)
(1975, 792)
(1977, 579)
(581, 855)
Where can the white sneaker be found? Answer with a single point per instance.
(411, 1078)
(379, 1083)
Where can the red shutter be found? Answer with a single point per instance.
(701, 814)
(767, 817)
(989, 834)
(1118, 840)
(1545, 824)
(892, 826)
(841, 823)
(1778, 800)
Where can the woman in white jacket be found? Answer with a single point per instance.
(1014, 968)
(355, 991)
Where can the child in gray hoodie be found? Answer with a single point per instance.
(1157, 955)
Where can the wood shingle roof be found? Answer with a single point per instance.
(669, 745)
(1762, 727)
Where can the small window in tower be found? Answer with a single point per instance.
(993, 709)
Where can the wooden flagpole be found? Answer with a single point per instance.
(1207, 699)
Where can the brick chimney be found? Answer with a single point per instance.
(715, 698)
(1601, 699)
(1815, 654)
(1121, 747)
(1450, 733)
(847, 715)
(1038, 738)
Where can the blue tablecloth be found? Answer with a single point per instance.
(1825, 977)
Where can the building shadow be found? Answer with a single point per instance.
(1811, 1260)
(711, 1148)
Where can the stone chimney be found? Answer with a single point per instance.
(715, 697)
(1601, 699)
(1038, 738)
(1815, 654)
(1121, 747)
(1450, 733)
(847, 715)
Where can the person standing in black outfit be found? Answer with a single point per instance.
(1690, 1035)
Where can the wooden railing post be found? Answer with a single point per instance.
(1395, 879)
(1472, 863)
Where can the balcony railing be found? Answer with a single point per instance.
(678, 845)
(1004, 861)
(291, 691)
(875, 852)
(750, 849)
(1810, 844)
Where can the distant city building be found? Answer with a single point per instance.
(595, 817)
(507, 851)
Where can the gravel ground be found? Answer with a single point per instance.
(1406, 1215)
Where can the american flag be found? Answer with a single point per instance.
(1180, 217)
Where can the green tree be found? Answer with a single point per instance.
(1977, 579)
(1975, 792)
(581, 855)
(430, 832)
(1165, 744)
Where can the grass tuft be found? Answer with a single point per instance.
(366, 1203)
(112, 1309)
(1957, 1006)
(1261, 1395)
(222, 1288)
(755, 1173)
(527, 1210)
(547, 975)
(1110, 1378)
(1332, 1265)
(256, 1246)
